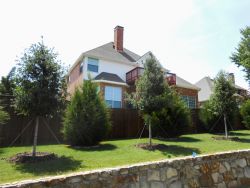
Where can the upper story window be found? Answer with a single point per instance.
(190, 101)
(92, 64)
(113, 96)
(81, 68)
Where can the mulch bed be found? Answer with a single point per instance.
(146, 146)
(230, 138)
(27, 157)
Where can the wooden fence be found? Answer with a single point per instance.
(126, 123)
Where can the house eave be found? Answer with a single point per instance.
(111, 82)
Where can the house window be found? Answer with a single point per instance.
(93, 64)
(190, 101)
(81, 68)
(113, 96)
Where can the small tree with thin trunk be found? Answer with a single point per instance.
(222, 100)
(149, 92)
(40, 90)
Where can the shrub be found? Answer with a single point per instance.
(174, 118)
(245, 113)
(86, 120)
(4, 116)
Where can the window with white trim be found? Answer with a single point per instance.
(113, 96)
(92, 64)
(190, 101)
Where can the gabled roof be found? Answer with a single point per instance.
(206, 84)
(108, 52)
(109, 77)
(180, 82)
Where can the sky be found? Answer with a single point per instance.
(192, 38)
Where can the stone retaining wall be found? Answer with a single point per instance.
(231, 169)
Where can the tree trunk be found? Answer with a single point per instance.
(225, 123)
(35, 137)
(150, 134)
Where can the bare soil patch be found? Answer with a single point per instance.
(231, 138)
(27, 157)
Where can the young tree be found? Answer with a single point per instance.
(222, 100)
(149, 92)
(242, 55)
(40, 90)
(86, 120)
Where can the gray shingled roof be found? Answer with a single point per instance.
(108, 52)
(185, 84)
(109, 77)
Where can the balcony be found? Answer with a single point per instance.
(133, 75)
(171, 78)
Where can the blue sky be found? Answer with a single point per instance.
(193, 38)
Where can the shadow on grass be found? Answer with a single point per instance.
(59, 165)
(179, 150)
(100, 147)
(180, 139)
(174, 150)
(243, 140)
(239, 134)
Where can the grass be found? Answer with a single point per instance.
(112, 153)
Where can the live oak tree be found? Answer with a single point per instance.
(241, 56)
(149, 92)
(40, 90)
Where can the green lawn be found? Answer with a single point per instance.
(112, 153)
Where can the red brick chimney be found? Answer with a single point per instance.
(118, 38)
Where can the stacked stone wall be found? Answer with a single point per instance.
(221, 170)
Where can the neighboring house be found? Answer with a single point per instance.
(115, 69)
(207, 84)
(187, 91)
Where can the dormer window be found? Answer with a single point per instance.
(93, 65)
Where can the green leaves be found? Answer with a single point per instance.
(245, 113)
(86, 120)
(41, 87)
(242, 55)
(4, 116)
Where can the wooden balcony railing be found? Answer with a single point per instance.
(133, 75)
(171, 78)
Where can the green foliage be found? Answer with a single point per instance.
(174, 118)
(245, 113)
(87, 118)
(242, 55)
(223, 99)
(41, 83)
(149, 88)
(221, 102)
(7, 86)
(4, 116)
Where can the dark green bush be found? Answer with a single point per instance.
(245, 113)
(174, 118)
(87, 119)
